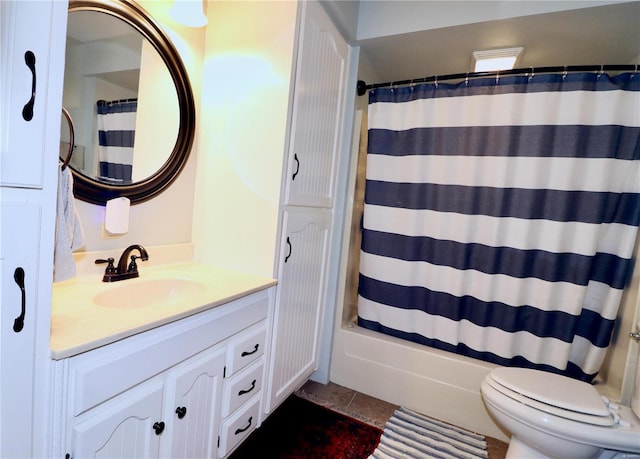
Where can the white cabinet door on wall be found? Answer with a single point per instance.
(18, 308)
(25, 71)
(297, 322)
(318, 109)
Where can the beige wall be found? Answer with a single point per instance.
(245, 101)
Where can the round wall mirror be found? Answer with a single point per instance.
(128, 94)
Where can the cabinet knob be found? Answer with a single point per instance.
(181, 411)
(158, 427)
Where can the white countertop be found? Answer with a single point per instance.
(78, 324)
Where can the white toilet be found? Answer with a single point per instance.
(552, 416)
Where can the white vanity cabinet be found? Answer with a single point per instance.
(162, 393)
(174, 415)
(307, 215)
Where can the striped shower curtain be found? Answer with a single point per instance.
(116, 137)
(501, 215)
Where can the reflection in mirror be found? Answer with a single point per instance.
(119, 54)
(122, 99)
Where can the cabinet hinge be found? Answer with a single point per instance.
(224, 372)
(218, 441)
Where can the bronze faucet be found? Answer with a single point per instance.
(125, 269)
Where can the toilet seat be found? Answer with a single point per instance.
(552, 393)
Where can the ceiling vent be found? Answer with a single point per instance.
(495, 59)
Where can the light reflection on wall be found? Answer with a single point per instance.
(241, 92)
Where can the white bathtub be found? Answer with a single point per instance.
(436, 383)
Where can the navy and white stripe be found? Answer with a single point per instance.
(116, 138)
(500, 220)
(411, 434)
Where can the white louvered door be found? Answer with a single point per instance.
(297, 324)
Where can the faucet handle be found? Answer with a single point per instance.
(133, 267)
(110, 268)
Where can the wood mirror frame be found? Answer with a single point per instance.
(97, 192)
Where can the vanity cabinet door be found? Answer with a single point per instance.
(318, 106)
(192, 408)
(300, 301)
(129, 426)
(18, 308)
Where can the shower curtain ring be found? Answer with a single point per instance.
(466, 80)
(532, 74)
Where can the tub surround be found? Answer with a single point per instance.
(78, 324)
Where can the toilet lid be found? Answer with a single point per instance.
(557, 394)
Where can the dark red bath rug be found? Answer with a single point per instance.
(300, 429)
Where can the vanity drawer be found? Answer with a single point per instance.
(241, 387)
(246, 348)
(238, 427)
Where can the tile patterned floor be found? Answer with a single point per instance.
(369, 409)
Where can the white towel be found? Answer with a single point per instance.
(69, 233)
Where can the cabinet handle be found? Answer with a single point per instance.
(181, 411)
(295, 158)
(158, 427)
(290, 248)
(239, 431)
(246, 353)
(18, 276)
(246, 391)
(30, 60)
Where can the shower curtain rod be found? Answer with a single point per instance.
(363, 87)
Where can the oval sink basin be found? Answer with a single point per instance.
(144, 293)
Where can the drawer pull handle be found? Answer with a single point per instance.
(290, 248)
(239, 431)
(255, 349)
(253, 386)
(295, 158)
(158, 427)
(18, 277)
(30, 61)
(181, 411)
